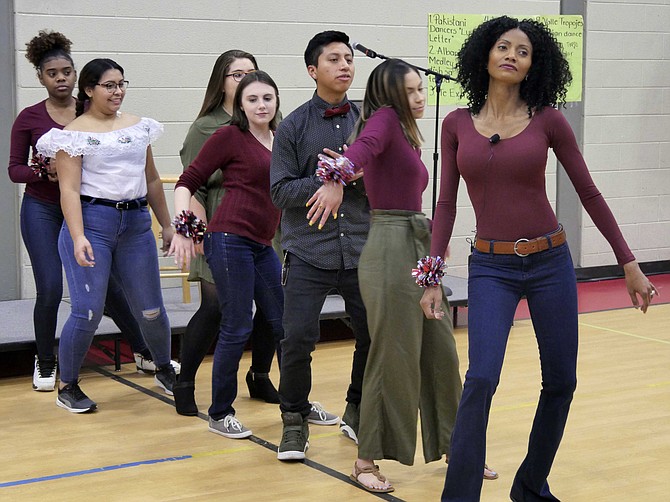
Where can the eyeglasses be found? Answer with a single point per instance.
(113, 86)
(239, 75)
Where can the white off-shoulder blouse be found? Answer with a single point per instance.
(113, 163)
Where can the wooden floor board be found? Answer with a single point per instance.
(616, 446)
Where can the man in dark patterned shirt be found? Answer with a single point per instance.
(320, 258)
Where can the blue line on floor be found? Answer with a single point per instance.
(93, 471)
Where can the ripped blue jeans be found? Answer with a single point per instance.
(123, 246)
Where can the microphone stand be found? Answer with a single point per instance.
(439, 78)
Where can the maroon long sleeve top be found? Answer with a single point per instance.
(506, 181)
(246, 208)
(395, 176)
(28, 127)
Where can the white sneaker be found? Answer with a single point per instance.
(44, 375)
(147, 365)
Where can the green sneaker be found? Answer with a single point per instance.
(294, 439)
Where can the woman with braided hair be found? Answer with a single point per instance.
(107, 178)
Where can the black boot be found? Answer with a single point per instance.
(184, 398)
(260, 387)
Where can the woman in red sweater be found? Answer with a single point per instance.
(513, 73)
(238, 244)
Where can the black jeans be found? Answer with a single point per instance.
(305, 291)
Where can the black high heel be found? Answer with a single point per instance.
(184, 398)
(261, 387)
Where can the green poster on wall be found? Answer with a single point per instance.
(447, 32)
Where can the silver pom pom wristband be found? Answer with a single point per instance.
(429, 271)
(339, 170)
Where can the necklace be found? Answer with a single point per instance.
(265, 140)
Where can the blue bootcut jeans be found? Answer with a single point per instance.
(244, 272)
(496, 283)
(124, 247)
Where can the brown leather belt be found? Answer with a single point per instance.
(522, 247)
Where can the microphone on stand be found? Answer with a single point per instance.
(368, 52)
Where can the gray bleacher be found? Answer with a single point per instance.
(16, 327)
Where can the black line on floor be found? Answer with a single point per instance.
(255, 439)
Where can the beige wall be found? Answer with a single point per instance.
(168, 48)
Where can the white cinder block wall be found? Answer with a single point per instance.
(168, 48)
(627, 124)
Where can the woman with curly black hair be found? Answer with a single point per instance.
(513, 74)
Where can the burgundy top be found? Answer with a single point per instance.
(506, 181)
(394, 175)
(246, 208)
(28, 127)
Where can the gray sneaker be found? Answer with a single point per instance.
(319, 416)
(73, 399)
(294, 439)
(229, 427)
(349, 422)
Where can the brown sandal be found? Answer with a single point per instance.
(489, 473)
(371, 469)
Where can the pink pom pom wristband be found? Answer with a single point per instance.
(339, 170)
(429, 271)
(189, 225)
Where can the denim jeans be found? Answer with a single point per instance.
(305, 290)
(40, 225)
(124, 246)
(496, 283)
(244, 272)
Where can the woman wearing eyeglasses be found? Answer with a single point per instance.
(41, 215)
(216, 111)
(107, 177)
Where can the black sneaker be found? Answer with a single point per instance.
(165, 378)
(294, 439)
(73, 399)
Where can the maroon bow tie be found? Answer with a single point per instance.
(338, 110)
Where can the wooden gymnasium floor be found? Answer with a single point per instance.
(616, 446)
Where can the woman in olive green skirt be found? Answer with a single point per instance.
(412, 366)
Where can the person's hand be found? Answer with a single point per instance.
(83, 252)
(431, 302)
(199, 248)
(325, 201)
(167, 234)
(638, 286)
(52, 174)
(182, 249)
